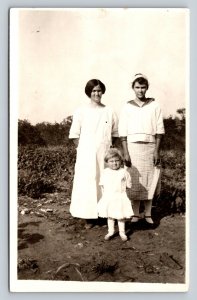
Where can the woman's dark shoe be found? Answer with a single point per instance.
(90, 223)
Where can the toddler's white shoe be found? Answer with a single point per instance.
(123, 237)
(108, 236)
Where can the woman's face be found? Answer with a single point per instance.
(96, 94)
(140, 90)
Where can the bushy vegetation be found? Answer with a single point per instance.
(174, 139)
(43, 134)
(46, 160)
(43, 169)
(29, 134)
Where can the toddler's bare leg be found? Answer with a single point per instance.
(110, 223)
(121, 226)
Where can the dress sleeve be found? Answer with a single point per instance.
(122, 127)
(102, 178)
(128, 180)
(159, 119)
(114, 125)
(75, 129)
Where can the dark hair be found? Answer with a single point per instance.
(113, 152)
(140, 80)
(91, 84)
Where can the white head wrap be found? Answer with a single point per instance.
(139, 75)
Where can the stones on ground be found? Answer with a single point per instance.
(79, 245)
(46, 210)
(49, 201)
(28, 264)
(25, 211)
(38, 214)
(67, 201)
(49, 210)
(149, 269)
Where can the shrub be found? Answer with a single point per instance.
(41, 169)
(29, 134)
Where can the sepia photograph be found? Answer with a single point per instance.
(99, 137)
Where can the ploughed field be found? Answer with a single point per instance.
(52, 245)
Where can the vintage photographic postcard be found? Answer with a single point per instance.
(85, 216)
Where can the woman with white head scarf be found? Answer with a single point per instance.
(141, 129)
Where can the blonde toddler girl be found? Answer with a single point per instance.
(114, 204)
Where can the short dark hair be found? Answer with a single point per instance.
(91, 84)
(141, 80)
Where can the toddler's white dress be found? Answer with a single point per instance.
(114, 202)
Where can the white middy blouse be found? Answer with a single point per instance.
(141, 123)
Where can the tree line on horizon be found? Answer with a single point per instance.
(55, 134)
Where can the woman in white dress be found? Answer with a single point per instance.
(93, 129)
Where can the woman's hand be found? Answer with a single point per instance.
(156, 155)
(127, 160)
(156, 158)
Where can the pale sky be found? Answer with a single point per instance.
(60, 50)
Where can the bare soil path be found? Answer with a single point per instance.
(54, 246)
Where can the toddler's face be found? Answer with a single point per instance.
(114, 163)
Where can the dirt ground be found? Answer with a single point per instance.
(52, 245)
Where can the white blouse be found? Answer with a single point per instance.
(100, 121)
(141, 123)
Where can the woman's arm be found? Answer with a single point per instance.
(75, 129)
(115, 142)
(125, 151)
(123, 132)
(160, 131)
(156, 155)
(76, 142)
